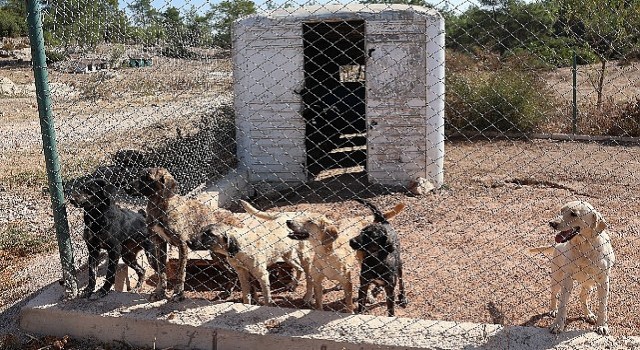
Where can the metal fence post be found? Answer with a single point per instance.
(49, 146)
(574, 74)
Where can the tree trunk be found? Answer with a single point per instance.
(601, 82)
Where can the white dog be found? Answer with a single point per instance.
(584, 254)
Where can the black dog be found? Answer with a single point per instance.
(121, 232)
(381, 264)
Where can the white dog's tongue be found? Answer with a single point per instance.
(563, 236)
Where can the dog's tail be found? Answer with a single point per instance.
(258, 213)
(547, 250)
(395, 211)
(378, 216)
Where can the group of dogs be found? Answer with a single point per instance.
(311, 243)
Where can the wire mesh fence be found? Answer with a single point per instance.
(167, 114)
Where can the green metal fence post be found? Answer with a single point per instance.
(50, 148)
(574, 71)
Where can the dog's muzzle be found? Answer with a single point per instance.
(567, 235)
(355, 244)
(297, 232)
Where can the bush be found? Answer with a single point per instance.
(627, 121)
(558, 52)
(503, 101)
(55, 56)
(12, 25)
(178, 51)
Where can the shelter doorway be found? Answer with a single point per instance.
(334, 96)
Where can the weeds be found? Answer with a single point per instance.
(626, 122)
(28, 178)
(17, 240)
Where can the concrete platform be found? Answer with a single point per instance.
(202, 324)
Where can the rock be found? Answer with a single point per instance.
(420, 186)
(7, 87)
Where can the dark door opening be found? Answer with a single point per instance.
(334, 95)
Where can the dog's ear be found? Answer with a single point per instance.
(388, 245)
(330, 233)
(378, 216)
(169, 183)
(600, 223)
(233, 247)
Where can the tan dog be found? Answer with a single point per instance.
(251, 248)
(333, 258)
(584, 254)
(174, 219)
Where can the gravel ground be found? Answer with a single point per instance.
(464, 246)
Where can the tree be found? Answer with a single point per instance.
(507, 26)
(198, 28)
(422, 3)
(85, 22)
(143, 13)
(224, 14)
(608, 28)
(172, 17)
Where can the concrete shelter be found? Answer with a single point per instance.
(336, 86)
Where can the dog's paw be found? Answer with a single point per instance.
(177, 297)
(602, 330)
(556, 328)
(308, 298)
(156, 296)
(553, 313)
(403, 301)
(591, 318)
(224, 295)
(99, 294)
(350, 309)
(86, 293)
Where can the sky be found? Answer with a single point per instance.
(203, 5)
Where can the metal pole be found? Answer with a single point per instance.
(574, 123)
(50, 148)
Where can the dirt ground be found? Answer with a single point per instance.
(464, 246)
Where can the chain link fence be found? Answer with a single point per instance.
(466, 125)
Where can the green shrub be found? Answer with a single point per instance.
(178, 51)
(503, 101)
(558, 52)
(55, 56)
(11, 24)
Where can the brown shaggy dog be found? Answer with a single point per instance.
(174, 219)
